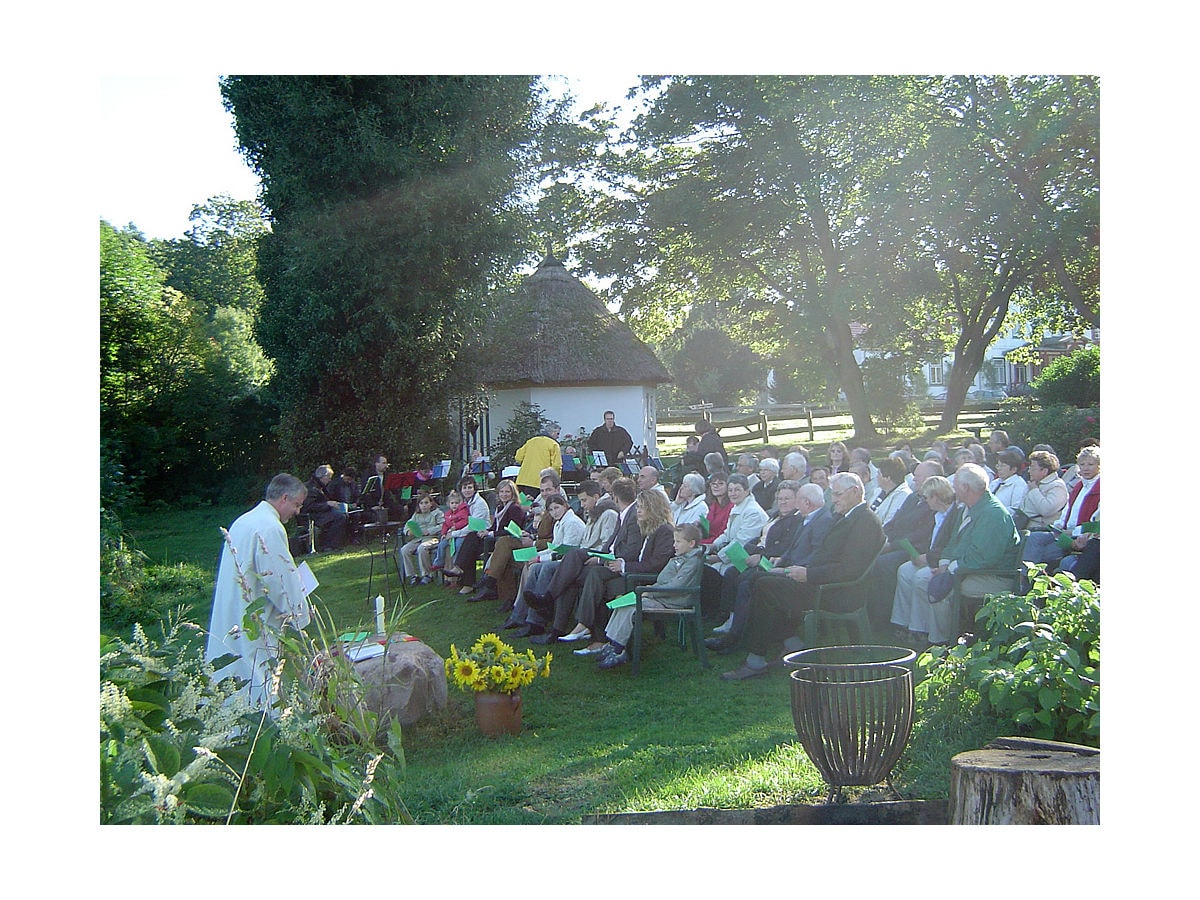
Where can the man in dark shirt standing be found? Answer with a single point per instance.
(611, 439)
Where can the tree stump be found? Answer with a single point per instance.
(1023, 781)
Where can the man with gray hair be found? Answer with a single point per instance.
(986, 538)
(791, 542)
(257, 568)
(329, 515)
(794, 467)
(778, 604)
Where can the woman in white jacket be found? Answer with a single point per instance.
(1009, 486)
(894, 489)
(569, 531)
(1047, 494)
(746, 521)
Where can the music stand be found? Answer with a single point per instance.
(385, 529)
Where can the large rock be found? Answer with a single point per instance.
(406, 683)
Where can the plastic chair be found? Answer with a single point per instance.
(970, 602)
(858, 617)
(686, 617)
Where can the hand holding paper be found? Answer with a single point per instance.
(624, 600)
(737, 555)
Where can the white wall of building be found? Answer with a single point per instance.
(576, 408)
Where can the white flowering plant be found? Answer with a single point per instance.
(177, 748)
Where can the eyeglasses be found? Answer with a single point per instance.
(837, 493)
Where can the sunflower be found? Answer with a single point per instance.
(491, 642)
(492, 665)
(466, 671)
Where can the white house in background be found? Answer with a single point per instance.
(997, 377)
(554, 343)
(999, 374)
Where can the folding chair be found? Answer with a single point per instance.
(686, 617)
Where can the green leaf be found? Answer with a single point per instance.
(223, 660)
(1049, 698)
(207, 799)
(144, 698)
(162, 754)
(997, 694)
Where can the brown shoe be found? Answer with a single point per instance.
(742, 672)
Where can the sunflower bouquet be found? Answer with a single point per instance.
(492, 665)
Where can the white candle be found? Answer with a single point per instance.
(379, 614)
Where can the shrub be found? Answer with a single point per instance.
(1063, 427)
(122, 569)
(1034, 664)
(528, 419)
(1071, 380)
(176, 748)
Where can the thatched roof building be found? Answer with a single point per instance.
(555, 344)
(568, 337)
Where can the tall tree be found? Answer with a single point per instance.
(925, 211)
(157, 396)
(734, 187)
(215, 264)
(1042, 135)
(394, 207)
(1000, 207)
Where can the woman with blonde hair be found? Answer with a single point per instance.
(476, 544)
(658, 546)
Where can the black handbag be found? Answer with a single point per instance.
(940, 586)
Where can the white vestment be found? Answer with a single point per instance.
(255, 564)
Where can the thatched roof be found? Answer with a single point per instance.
(566, 336)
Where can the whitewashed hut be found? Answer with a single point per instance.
(576, 359)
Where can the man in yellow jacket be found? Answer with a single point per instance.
(538, 453)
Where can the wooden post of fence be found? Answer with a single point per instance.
(764, 426)
(812, 435)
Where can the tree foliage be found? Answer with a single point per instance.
(178, 405)
(393, 212)
(898, 215)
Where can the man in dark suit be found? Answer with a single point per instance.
(611, 439)
(778, 603)
(625, 543)
(811, 522)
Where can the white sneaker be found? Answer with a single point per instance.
(724, 629)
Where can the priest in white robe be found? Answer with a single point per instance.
(257, 565)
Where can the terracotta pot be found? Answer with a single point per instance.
(498, 714)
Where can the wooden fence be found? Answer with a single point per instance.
(796, 424)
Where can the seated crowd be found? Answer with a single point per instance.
(763, 533)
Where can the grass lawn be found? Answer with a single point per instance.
(675, 737)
